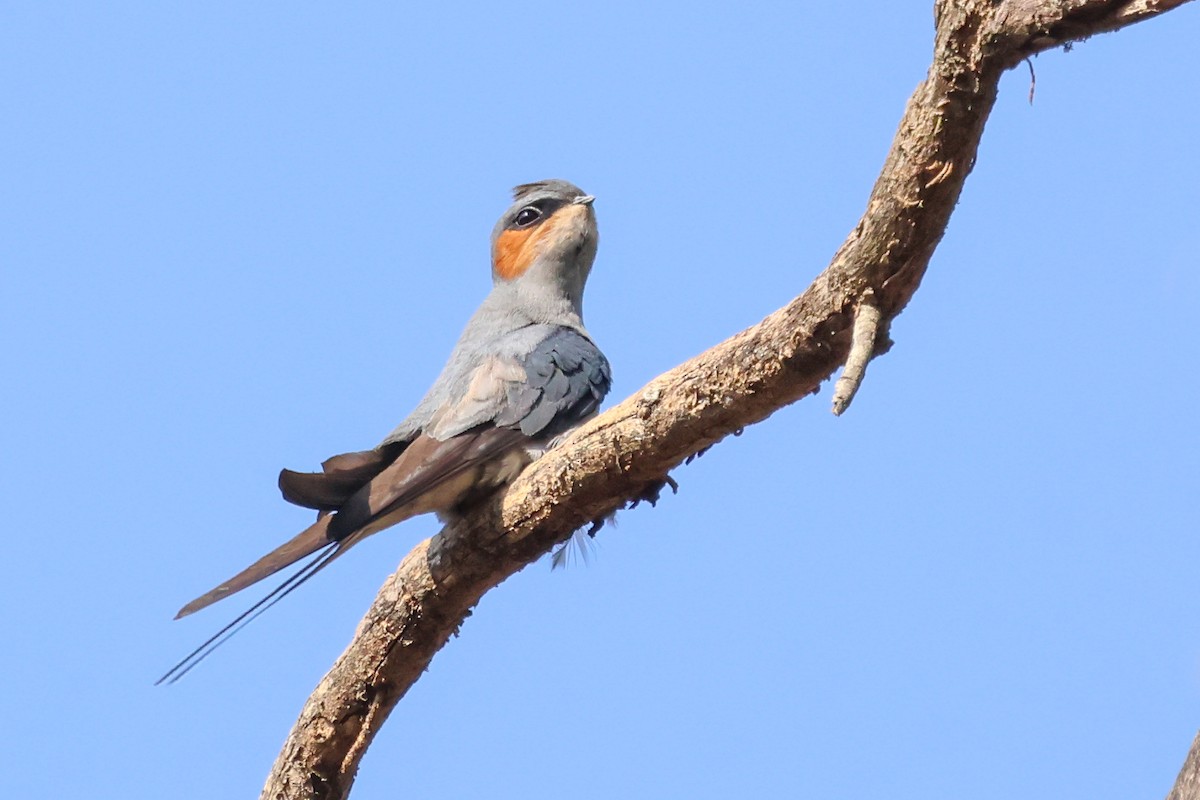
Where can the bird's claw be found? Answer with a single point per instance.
(652, 492)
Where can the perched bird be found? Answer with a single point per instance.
(523, 373)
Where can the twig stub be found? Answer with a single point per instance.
(862, 349)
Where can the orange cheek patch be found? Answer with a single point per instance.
(508, 262)
(515, 250)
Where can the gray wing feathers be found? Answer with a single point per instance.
(553, 387)
(567, 378)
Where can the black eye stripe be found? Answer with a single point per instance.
(527, 216)
(535, 213)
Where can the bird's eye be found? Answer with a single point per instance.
(527, 216)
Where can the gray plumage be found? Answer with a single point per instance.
(524, 372)
(567, 377)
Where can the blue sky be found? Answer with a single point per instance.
(234, 239)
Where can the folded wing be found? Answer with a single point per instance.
(510, 404)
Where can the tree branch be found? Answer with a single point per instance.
(1187, 785)
(626, 453)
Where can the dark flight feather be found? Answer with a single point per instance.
(307, 542)
(341, 476)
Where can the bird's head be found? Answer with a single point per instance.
(548, 235)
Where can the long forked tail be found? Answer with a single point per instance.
(186, 664)
(309, 541)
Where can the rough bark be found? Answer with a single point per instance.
(1187, 785)
(626, 453)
